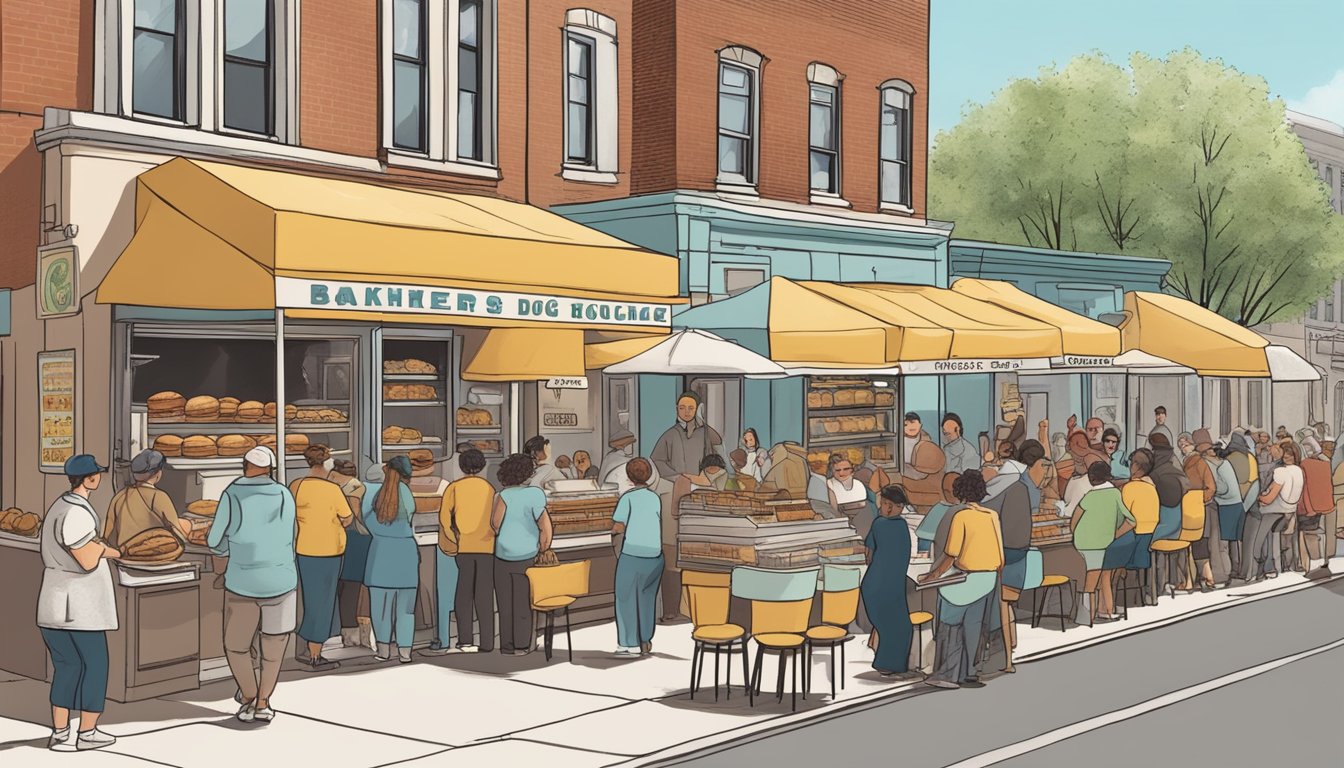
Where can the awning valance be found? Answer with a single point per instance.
(1191, 335)
(526, 354)
(214, 236)
(875, 325)
(1079, 335)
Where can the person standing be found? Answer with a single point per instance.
(1201, 479)
(1015, 505)
(352, 597)
(1171, 484)
(254, 527)
(522, 528)
(76, 608)
(1231, 515)
(622, 450)
(1277, 502)
(1094, 428)
(888, 545)
(922, 465)
(539, 448)
(638, 537)
(1110, 446)
(958, 452)
(1141, 499)
(1160, 426)
(393, 569)
(1101, 521)
(323, 514)
(467, 545)
(142, 505)
(680, 449)
(975, 546)
(1317, 501)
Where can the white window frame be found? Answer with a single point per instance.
(906, 205)
(827, 76)
(203, 88)
(754, 63)
(600, 31)
(441, 107)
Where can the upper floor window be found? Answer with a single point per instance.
(249, 66)
(225, 65)
(592, 114)
(410, 65)
(823, 143)
(739, 113)
(438, 80)
(894, 138)
(159, 58)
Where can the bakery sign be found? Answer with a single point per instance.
(1083, 361)
(989, 365)
(341, 295)
(57, 281)
(55, 409)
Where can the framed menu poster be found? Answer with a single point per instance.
(56, 409)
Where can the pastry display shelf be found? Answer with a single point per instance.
(842, 438)
(478, 430)
(244, 428)
(412, 377)
(850, 410)
(414, 403)
(231, 462)
(411, 446)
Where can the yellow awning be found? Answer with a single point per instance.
(527, 354)
(918, 323)
(808, 327)
(1079, 335)
(1186, 333)
(214, 236)
(602, 354)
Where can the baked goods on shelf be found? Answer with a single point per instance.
(168, 445)
(296, 443)
(419, 367)
(411, 436)
(410, 392)
(166, 407)
(880, 452)
(863, 397)
(155, 545)
(199, 447)
(228, 408)
(884, 399)
(332, 416)
(234, 445)
(202, 409)
(844, 398)
(396, 392)
(291, 412)
(267, 441)
(474, 417)
(268, 413)
(251, 411)
(392, 435)
(203, 507)
(16, 521)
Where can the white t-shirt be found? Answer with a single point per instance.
(856, 492)
(1290, 482)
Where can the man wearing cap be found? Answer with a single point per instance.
(76, 608)
(142, 506)
(1160, 425)
(254, 527)
(612, 471)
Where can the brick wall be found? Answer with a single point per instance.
(339, 76)
(867, 42)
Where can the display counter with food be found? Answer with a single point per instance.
(853, 416)
(416, 393)
(721, 530)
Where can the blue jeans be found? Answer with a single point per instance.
(393, 615)
(637, 581)
(79, 668)
(445, 574)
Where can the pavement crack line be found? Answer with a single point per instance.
(1010, 751)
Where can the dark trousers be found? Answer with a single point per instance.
(79, 668)
(348, 594)
(514, 597)
(671, 586)
(1255, 546)
(959, 639)
(475, 593)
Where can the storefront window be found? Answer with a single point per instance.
(416, 394)
(855, 417)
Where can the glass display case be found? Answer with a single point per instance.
(417, 390)
(852, 416)
(482, 411)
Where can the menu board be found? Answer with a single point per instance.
(56, 408)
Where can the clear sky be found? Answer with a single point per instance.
(976, 46)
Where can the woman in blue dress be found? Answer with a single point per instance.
(392, 572)
(883, 586)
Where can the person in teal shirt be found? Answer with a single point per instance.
(522, 531)
(639, 562)
(1101, 519)
(392, 572)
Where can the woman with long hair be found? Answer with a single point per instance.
(756, 465)
(392, 571)
(522, 529)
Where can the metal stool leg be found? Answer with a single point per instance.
(695, 659)
(716, 673)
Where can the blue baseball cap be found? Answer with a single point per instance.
(82, 465)
(401, 464)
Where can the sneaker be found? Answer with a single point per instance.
(437, 651)
(94, 739)
(60, 741)
(466, 649)
(247, 714)
(404, 655)
(322, 664)
(972, 684)
(264, 715)
(947, 685)
(623, 651)
(384, 652)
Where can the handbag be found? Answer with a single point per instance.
(546, 559)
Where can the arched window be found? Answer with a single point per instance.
(897, 104)
(823, 133)
(739, 114)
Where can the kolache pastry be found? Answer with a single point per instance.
(234, 445)
(199, 447)
(202, 409)
(251, 411)
(166, 406)
(168, 445)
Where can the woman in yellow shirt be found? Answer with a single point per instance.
(1140, 498)
(323, 514)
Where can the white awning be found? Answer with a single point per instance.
(693, 351)
(1286, 365)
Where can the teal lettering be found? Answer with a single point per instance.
(643, 314)
(552, 308)
(494, 305)
(604, 312)
(590, 312)
(466, 302)
(524, 307)
(318, 295)
(345, 297)
(372, 297)
(394, 297)
(416, 299)
(619, 313)
(439, 300)
(660, 315)
(576, 310)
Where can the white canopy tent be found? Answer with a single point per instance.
(696, 352)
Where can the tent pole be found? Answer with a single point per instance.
(280, 395)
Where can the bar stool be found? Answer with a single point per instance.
(1041, 598)
(919, 619)
(781, 602)
(707, 597)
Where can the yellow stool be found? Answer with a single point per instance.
(919, 619)
(1171, 550)
(1042, 596)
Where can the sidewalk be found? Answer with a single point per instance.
(492, 710)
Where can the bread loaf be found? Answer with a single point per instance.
(203, 507)
(863, 397)
(199, 447)
(419, 367)
(155, 545)
(392, 435)
(396, 392)
(168, 445)
(464, 417)
(844, 397)
(394, 366)
(202, 409)
(198, 536)
(234, 445)
(813, 399)
(228, 409)
(481, 418)
(7, 518)
(296, 443)
(884, 399)
(291, 412)
(412, 436)
(25, 524)
(251, 411)
(166, 406)
(827, 399)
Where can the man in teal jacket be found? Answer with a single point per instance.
(254, 528)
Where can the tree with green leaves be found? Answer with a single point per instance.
(1182, 159)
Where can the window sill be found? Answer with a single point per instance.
(835, 201)
(737, 190)
(400, 159)
(904, 210)
(588, 175)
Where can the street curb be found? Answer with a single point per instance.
(746, 734)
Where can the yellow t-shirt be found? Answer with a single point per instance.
(1140, 497)
(975, 541)
(319, 508)
(470, 501)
